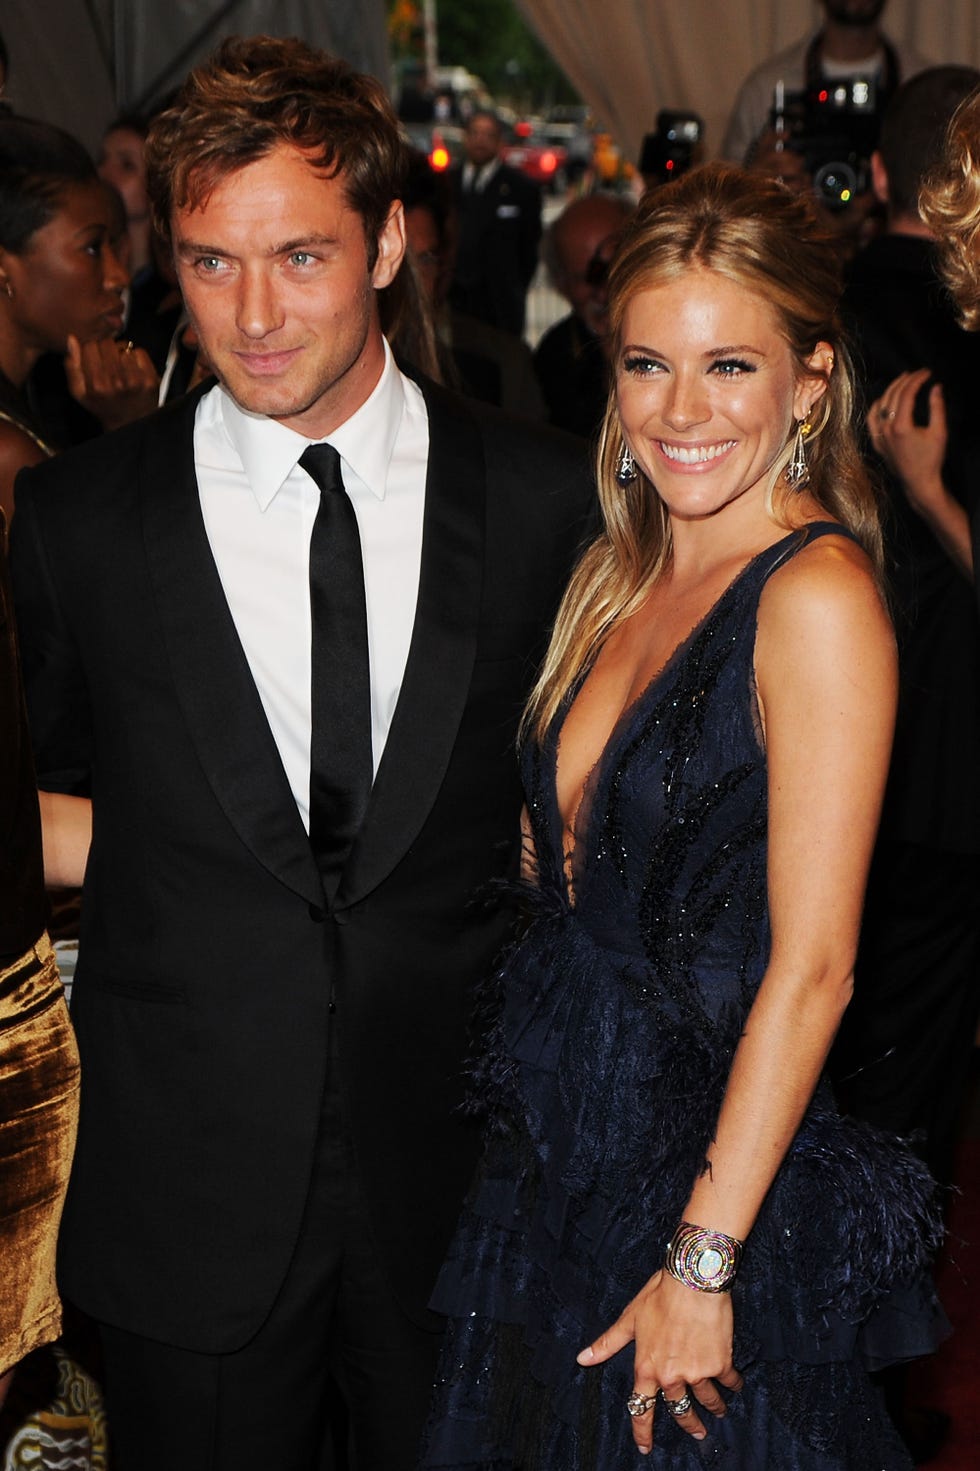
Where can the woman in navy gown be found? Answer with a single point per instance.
(675, 1247)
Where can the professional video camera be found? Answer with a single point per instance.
(671, 150)
(834, 127)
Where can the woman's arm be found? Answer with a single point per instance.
(826, 675)
(17, 450)
(66, 828)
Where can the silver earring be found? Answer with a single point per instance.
(625, 467)
(8, 290)
(797, 472)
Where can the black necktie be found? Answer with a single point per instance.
(341, 765)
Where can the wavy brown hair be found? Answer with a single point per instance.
(257, 92)
(950, 205)
(769, 242)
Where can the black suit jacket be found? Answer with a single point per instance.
(497, 249)
(900, 318)
(207, 951)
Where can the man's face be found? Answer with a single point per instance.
(273, 266)
(586, 248)
(854, 12)
(481, 140)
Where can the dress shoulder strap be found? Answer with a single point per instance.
(783, 550)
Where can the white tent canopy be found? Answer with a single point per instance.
(78, 62)
(630, 58)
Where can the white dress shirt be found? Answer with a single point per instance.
(259, 507)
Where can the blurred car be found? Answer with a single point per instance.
(576, 140)
(530, 149)
(442, 143)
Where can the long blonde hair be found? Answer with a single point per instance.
(769, 242)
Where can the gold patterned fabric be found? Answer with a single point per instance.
(38, 1121)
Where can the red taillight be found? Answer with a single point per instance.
(549, 162)
(439, 158)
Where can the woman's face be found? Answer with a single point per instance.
(708, 391)
(68, 279)
(121, 164)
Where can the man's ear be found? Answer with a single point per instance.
(879, 178)
(391, 247)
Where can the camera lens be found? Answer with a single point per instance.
(835, 184)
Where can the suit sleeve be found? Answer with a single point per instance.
(57, 695)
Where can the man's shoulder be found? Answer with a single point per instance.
(562, 339)
(99, 478)
(445, 405)
(910, 61)
(786, 66)
(509, 180)
(513, 450)
(911, 256)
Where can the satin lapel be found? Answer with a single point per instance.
(214, 684)
(443, 647)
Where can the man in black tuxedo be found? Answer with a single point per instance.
(280, 931)
(499, 213)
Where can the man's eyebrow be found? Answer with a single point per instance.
(195, 247)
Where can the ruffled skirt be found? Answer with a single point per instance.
(603, 1101)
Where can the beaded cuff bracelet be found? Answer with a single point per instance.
(704, 1260)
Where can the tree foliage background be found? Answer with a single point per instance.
(490, 38)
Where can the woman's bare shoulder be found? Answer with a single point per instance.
(830, 577)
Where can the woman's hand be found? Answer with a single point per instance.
(115, 381)
(683, 1344)
(915, 454)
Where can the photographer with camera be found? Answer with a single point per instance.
(810, 114)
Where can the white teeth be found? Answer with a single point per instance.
(695, 454)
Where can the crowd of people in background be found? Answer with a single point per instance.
(259, 313)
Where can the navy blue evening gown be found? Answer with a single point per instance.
(619, 1015)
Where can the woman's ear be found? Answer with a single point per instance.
(813, 384)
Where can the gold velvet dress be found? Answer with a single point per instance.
(38, 1056)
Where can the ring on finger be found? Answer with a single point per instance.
(639, 1404)
(886, 413)
(678, 1406)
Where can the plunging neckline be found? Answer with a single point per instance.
(566, 859)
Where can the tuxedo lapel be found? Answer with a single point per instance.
(443, 648)
(214, 684)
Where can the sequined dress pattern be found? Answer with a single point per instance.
(617, 1017)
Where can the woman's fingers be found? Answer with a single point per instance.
(680, 1403)
(608, 1343)
(706, 1392)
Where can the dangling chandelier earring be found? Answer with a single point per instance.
(625, 467)
(797, 472)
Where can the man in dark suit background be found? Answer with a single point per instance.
(907, 1040)
(279, 935)
(903, 1056)
(499, 214)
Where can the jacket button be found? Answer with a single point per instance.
(317, 914)
(341, 916)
